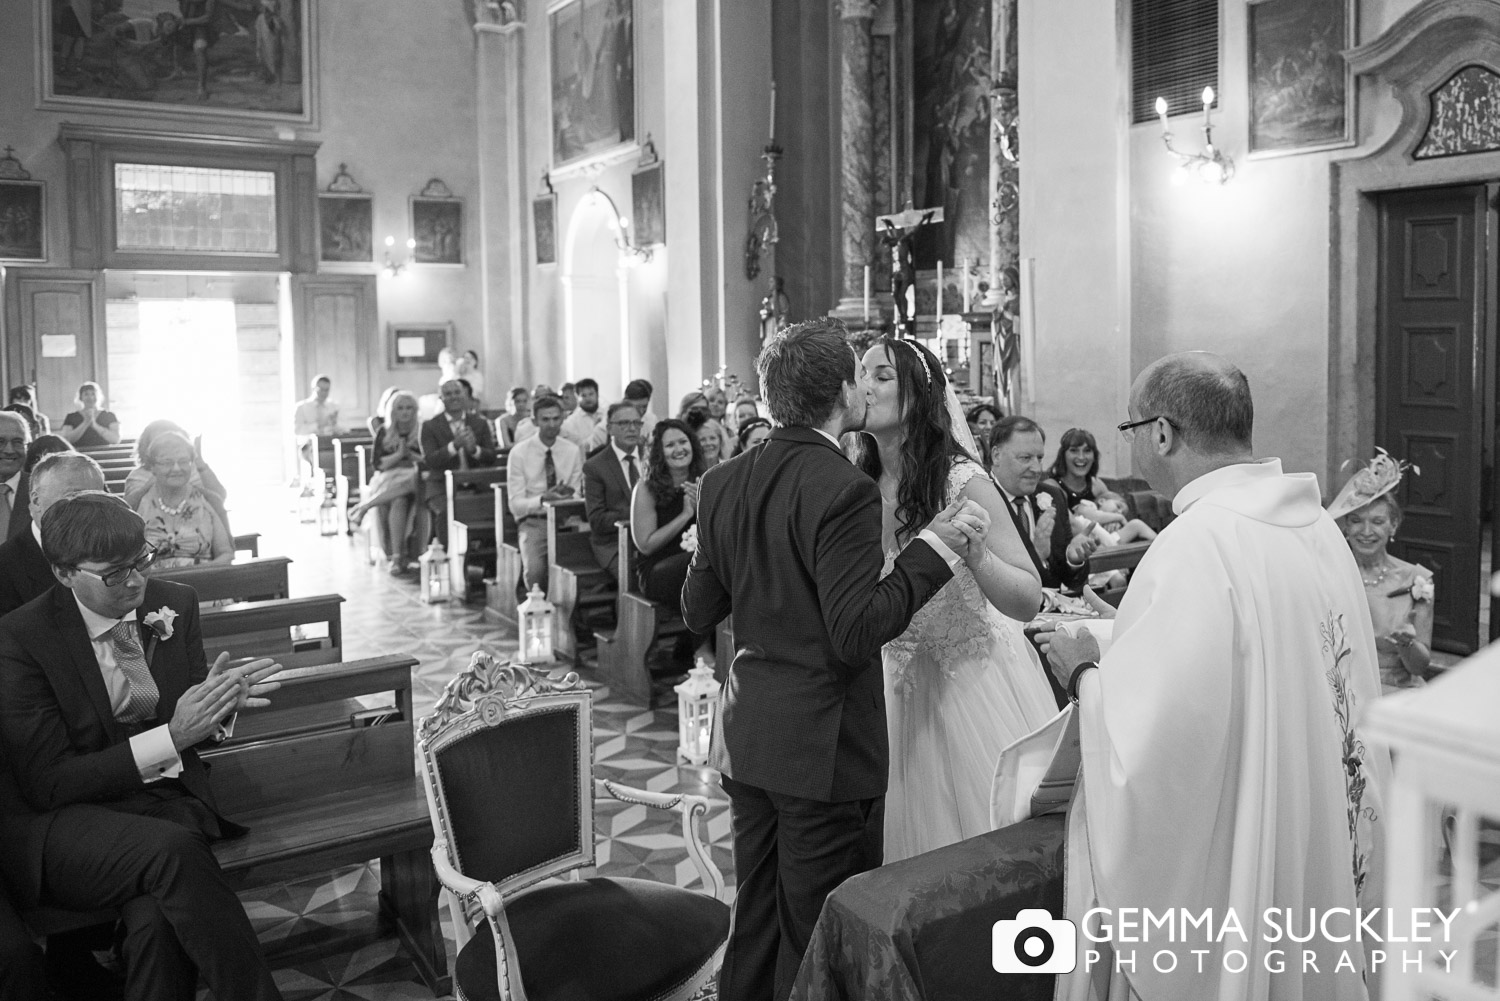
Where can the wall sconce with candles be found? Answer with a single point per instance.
(393, 267)
(630, 255)
(1211, 165)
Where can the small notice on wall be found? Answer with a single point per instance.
(59, 346)
(411, 347)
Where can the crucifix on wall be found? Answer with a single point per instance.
(897, 231)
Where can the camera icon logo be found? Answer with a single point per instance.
(1034, 942)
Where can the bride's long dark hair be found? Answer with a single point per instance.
(928, 447)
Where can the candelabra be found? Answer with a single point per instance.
(762, 238)
(1211, 165)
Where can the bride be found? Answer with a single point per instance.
(962, 682)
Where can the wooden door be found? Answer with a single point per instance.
(336, 336)
(51, 319)
(1429, 390)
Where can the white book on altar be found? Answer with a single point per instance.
(1036, 774)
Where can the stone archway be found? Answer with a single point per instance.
(596, 314)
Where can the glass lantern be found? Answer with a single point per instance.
(434, 564)
(697, 698)
(307, 503)
(535, 618)
(328, 511)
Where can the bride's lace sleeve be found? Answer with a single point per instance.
(959, 476)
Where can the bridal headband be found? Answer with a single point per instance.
(920, 355)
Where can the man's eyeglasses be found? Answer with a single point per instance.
(1127, 429)
(115, 576)
(627, 424)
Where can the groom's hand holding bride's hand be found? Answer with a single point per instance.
(962, 526)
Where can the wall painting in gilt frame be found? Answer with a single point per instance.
(1301, 90)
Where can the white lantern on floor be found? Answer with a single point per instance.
(535, 618)
(434, 564)
(328, 511)
(697, 697)
(307, 504)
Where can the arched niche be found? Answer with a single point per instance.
(1413, 61)
(596, 307)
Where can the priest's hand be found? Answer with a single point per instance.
(1065, 652)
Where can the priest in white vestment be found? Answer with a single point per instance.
(1222, 764)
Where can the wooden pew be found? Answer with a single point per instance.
(347, 472)
(266, 629)
(471, 521)
(575, 580)
(500, 590)
(639, 623)
(248, 543)
(248, 580)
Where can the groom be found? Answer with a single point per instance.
(789, 541)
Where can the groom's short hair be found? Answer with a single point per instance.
(91, 525)
(803, 370)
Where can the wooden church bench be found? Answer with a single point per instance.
(471, 521)
(500, 590)
(639, 623)
(575, 580)
(247, 580)
(269, 629)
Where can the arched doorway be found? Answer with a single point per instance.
(595, 296)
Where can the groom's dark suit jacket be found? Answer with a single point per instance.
(789, 541)
(59, 735)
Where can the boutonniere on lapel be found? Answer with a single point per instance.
(160, 624)
(1043, 501)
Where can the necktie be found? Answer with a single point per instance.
(551, 469)
(132, 663)
(1023, 513)
(634, 473)
(4, 510)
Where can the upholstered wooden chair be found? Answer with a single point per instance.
(508, 766)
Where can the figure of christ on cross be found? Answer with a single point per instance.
(897, 231)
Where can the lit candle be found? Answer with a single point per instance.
(1208, 101)
(966, 284)
(940, 295)
(867, 294)
(773, 112)
(1161, 112)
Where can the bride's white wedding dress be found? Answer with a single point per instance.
(960, 684)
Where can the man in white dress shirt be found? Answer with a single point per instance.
(543, 466)
(314, 416)
(585, 427)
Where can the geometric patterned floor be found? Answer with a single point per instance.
(322, 935)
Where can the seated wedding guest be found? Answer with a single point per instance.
(29, 416)
(696, 400)
(90, 426)
(15, 440)
(1400, 594)
(1061, 557)
(454, 439)
(664, 505)
(1076, 471)
(745, 409)
(982, 419)
(609, 476)
(27, 394)
(585, 426)
(752, 433)
(181, 524)
(1223, 769)
(471, 402)
(24, 572)
(568, 394)
(542, 467)
(377, 419)
(638, 392)
(718, 404)
(106, 803)
(47, 444)
(710, 435)
(315, 416)
(466, 366)
(202, 477)
(394, 486)
(517, 410)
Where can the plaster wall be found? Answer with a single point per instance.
(1073, 227)
(376, 114)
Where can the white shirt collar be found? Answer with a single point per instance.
(622, 456)
(15, 484)
(96, 624)
(36, 533)
(830, 437)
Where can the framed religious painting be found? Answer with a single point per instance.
(23, 230)
(223, 59)
(437, 226)
(591, 49)
(647, 206)
(418, 345)
(1301, 90)
(544, 227)
(346, 229)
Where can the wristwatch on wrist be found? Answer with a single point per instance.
(1077, 676)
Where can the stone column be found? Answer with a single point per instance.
(857, 137)
(1003, 296)
(502, 198)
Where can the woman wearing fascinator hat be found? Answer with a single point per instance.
(1400, 594)
(961, 682)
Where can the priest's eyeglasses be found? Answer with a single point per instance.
(115, 576)
(1127, 429)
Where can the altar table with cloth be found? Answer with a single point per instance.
(920, 928)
